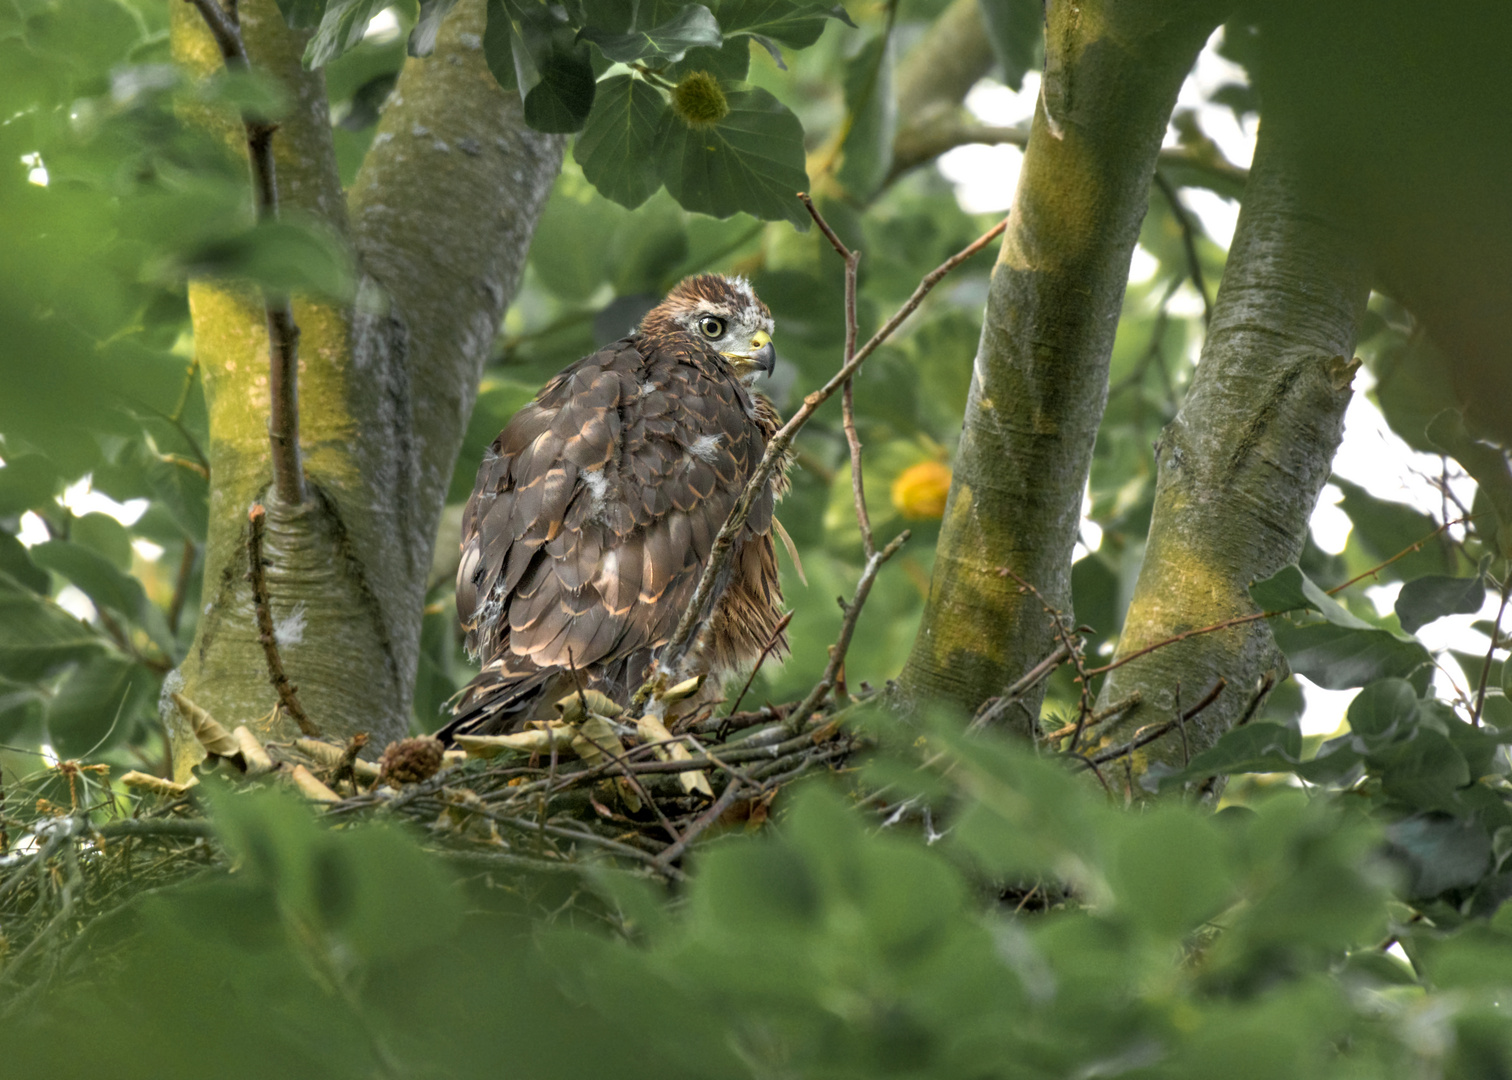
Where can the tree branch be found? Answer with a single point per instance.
(1039, 381)
(706, 593)
(283, 333)
(1241, 465)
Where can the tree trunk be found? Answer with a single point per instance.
(1241, 466)
(439, 222)
(1112, 73)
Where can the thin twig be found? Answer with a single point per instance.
(265, 632)
(1058, 656)
(1073, 647)
(1188, 241)
(1240, 620)
(1480, 691)
(847, 392)
(694, 831)
(1154, 731)
(1097, 719)
(832, 671)
(283, 332)
(766, 650)
(678, 648)
(181, 585)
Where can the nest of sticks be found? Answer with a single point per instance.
(597, 784)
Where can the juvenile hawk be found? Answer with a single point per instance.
(596, 507)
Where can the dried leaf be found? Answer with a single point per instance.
(253, 755)
(331, 756)
(211, 735)
(685, 689)
(571, 706)
(140, 781)
(595, 742)
(530, 741)
(652, 730)
(311, 788)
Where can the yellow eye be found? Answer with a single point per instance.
(711, 327)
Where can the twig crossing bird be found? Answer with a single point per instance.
(595, 510)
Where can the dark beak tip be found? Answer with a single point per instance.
(766, 357)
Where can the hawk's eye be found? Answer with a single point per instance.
(711, 327)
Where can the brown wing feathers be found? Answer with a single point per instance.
(592, 517)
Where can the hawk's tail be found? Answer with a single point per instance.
(499, 702)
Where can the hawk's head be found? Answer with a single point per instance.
(725, 314)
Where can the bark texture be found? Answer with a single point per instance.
(1040, 378)
(1241, 466)
(439, 223)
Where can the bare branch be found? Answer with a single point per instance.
(847, 394)
(1480, 690)
(806, 708)
(1188, 242)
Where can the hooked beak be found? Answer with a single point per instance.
(761, 359)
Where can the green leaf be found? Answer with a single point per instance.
(282, 255)
(184, 494)
(96, 704)
(1169, 871)
(695, 25)
(794, 24)
(1252, 748)
(422, 39)
(731, 62)
(872, 116)
(1385, 529)
(1424, 770)
(498, 45)
(1015, 29)
(1424, 599)
(1383, 710)
(103, 535)
(302, 14)
(1438, 852)
(26, 482)
(1496, 710)
(1339, 658)
(1289, 589)
(95, 575)
(15, 561)
(617, 148)
(552, 69)
(341, 28)
(752, 161)
(37, 637)
(1486, 463)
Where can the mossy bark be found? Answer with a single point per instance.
(1040, 379)
(439, 223)
(1241, 465)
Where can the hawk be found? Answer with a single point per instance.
(595, 510)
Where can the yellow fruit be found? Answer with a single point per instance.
(919, 491)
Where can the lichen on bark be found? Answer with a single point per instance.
(1039, 382)
(1241, 465)
(439, 223)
